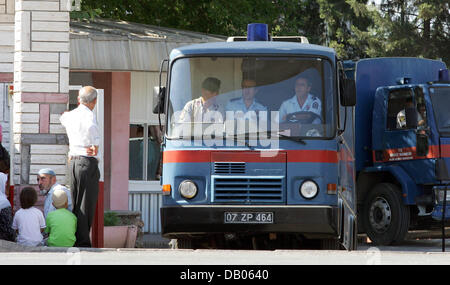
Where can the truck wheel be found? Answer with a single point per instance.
(386, 218)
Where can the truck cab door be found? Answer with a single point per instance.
(346, 191)
(405, 139)
(346, 198)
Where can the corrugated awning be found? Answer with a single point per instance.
(102, 44)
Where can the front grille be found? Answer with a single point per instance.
(229, 167)
(248, 190)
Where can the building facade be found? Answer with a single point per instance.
(46, 57)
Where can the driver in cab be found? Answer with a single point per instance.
(302, 101)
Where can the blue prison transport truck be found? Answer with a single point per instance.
(402, 145)
(263, 146)
(259, 146)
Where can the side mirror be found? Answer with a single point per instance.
(411, 117)
(159, 96)
(348, 92)
(422, 144)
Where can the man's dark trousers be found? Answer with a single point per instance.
(84, 174)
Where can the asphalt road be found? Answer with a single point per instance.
(426, 252)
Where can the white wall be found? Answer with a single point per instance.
(6, 36)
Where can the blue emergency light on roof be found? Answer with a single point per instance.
(443, 75)
(257, 32)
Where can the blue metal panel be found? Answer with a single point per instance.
(437, 212)
(242, 48)
(410, 189)
(292, 173)
(379, 121)
(445, 142)
(175, 173)
(320, 173)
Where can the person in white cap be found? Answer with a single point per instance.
(47, 184)
(61, 223)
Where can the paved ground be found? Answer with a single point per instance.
(411, 251)
(421, 241)
(367, 256)
(416, 241)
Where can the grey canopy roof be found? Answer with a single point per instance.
(101, 44)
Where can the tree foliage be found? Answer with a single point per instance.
(341, 18)
(355, 28)
(224, 17)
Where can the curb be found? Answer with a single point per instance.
(148, 241)
(154, 241)
(8, 246)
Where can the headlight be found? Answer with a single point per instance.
(188, 189)
(309, 189)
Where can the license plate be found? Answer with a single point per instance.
(248, 217)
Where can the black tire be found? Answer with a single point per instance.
(386, 218)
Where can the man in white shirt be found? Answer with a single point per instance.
(47, 184)
(84, 140)
(204, 108)
(302, 101)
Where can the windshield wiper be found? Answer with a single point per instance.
(243, 138)
(295, 139)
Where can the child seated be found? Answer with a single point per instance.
(61, 223)
(29, 221)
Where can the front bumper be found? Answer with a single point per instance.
(178, 221)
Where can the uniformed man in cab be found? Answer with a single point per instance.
(246, 106)
(302, 101)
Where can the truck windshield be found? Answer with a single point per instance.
(223, 97)
(440, 97)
